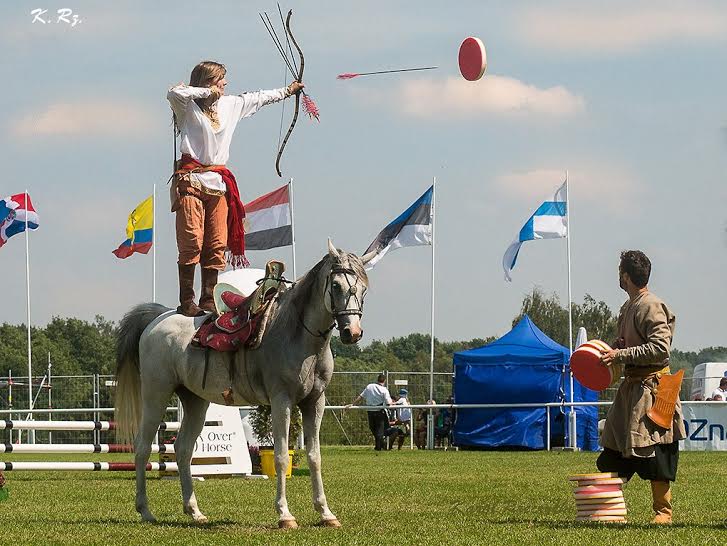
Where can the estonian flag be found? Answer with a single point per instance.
(268, 221)
(413, 227)
(139, 230)
(550, 221)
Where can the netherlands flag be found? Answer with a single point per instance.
(413, 227)
(15, 212)
(268, 221)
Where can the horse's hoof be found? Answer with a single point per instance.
(148, 518)
(287, 524)
(201, 519)
(331, 523)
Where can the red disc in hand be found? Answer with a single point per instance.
(472, 59)
(587, 367)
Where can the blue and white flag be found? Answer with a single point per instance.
(413, 227)
(550, 221)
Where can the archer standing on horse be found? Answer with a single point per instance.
(204, 192)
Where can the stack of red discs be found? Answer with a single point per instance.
(599, 497)
(588, 368)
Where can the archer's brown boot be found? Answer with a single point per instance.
(209, 280)
(187, 306)
(661, 494)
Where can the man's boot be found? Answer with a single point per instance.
(661, 494)
(187, 306)
(209, 280)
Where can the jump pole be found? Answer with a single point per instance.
(90, 466)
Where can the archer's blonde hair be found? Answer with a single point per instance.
(206, 73)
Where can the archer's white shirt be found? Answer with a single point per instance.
(376, 395)
(199, 139)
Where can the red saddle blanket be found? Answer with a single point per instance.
(233, 329)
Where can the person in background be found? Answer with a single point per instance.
(721, 391)
(376, 394)
(403, 415)
(443, 420)
(420, 432)
(394, 432)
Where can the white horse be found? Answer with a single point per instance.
(292, 366)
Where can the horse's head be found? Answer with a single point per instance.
(345, 292)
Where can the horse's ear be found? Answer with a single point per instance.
(332, 250)
(366, 258)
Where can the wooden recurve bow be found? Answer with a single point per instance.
(297, 95)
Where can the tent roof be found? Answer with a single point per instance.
(525, 343)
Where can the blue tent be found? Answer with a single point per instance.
(523, 366)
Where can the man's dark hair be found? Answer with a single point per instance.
(381, 378)
(723, 381)
(637, 265)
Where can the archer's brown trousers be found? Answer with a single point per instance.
(201, 227)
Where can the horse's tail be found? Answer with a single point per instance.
(127, 408)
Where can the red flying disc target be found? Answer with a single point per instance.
(472, 59)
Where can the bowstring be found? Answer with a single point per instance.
(282, 112)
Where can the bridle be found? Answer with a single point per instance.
(352, 292)
(338, 269)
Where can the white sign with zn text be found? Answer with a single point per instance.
(706, 426)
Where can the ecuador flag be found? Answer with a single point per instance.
(139, 230)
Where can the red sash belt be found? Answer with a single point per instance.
(235, 208)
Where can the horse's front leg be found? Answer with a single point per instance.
(280, 410)
(312, 412)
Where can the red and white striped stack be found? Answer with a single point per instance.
(599, 497)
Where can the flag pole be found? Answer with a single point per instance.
(292, 226)
(572, 415)
(301, 439)
(154, 244)
(430, 431)
(31, 433)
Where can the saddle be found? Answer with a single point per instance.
(242, 320)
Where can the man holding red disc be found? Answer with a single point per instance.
(632, 442)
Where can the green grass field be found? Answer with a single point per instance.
(403, 498)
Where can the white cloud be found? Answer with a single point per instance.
(492, 95)
(619, 27)
(609, 186)
(109, 117)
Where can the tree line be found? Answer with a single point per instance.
(79, 347)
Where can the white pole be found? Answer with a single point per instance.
(27, 286)
(50, 404)
(572, 420)
(430, 431)
(301, 438)
(154, 244)
(292, 226)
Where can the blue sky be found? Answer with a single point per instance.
(629, 99)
